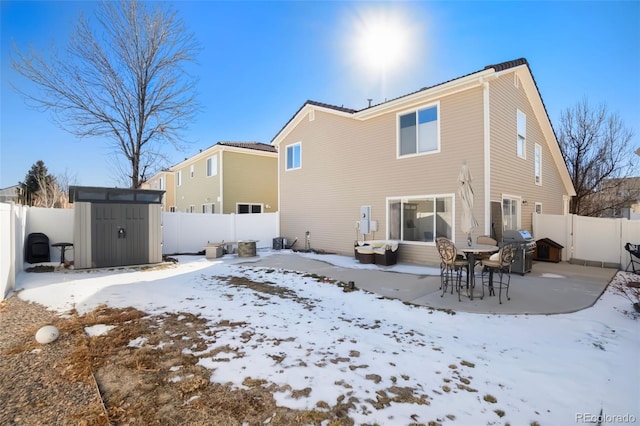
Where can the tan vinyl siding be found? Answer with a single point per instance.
(348, 163)
(511, 174)
(249, 179)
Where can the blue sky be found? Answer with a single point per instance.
(262, 60)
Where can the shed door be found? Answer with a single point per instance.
(120, 234)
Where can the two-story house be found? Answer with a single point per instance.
(398, 162)
(228, 177)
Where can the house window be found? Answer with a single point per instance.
(521, 147)
(212, 166)
(538, 208)
(294, 160)
(192, 170)
(191, 209)
(420, 219)
(172, 209)
(538, 164)
(510, 213)
(418, 132)
(161, 183)
(248, 208)
(208, 208)
(179, 177)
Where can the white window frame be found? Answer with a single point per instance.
(416, 111)
(513, 201)
(521, 134)
(191, 208)
(250, 206)
(179, 177)
(208, 208)
(292, 147)
(538, 208)
(172, 209)
(422, 239)
(537, 166)
(192, 170)
(212, 166)
(161, 183)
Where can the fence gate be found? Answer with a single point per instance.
(120, 234)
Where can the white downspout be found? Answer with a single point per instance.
(487, 158)
(221, 173)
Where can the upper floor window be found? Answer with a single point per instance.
(162, 183)
(521, 142)
(538, 164)
(192, 170)
(179, 177)
(418, 131)
(294, 159)
(212, 165)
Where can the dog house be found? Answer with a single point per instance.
(548, 250)
(116, 226)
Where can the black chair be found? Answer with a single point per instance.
(451, 266)
(500, 265)
(634, 255)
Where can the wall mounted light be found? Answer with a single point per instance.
(525, 203)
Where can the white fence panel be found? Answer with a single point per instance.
(596, 239)
(261, 227)
(556, 228)
(191, 232)
(7, 261)
(12, 235)
(57, 224)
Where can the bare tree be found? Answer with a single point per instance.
(595, 146)
(126, 81)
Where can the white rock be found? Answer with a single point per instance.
(47, 334)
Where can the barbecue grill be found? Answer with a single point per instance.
(525, 246)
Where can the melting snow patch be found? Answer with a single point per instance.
(138, 342)
(98, 329)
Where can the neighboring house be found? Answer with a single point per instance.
(624, 195)
(228, 177)
(398, 164)
(163, 181)
(10, 194)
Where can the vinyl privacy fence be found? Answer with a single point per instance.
(182, 233)
(586, 240)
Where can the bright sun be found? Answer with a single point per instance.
(382, 41)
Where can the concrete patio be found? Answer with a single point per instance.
(550, 288)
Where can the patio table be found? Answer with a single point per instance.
(63, 247)
(470, 252)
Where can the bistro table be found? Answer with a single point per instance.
(470, 252)
(63, 247)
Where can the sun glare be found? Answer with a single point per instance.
(382, 41)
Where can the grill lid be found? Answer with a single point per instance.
(521, 235)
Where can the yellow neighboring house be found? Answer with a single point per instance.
(228, 177)
(164, 181)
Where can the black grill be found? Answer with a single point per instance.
(525, 246)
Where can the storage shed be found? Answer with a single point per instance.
(116, 226)
(548, 250)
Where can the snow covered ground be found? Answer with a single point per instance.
(397, 363)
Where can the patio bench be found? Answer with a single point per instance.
(379, 252)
